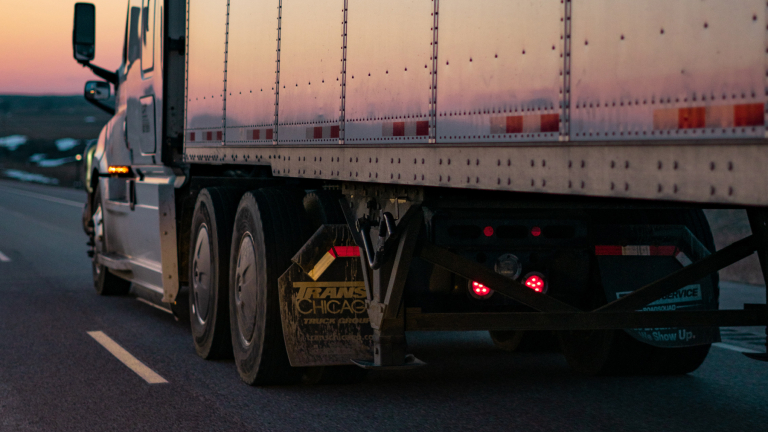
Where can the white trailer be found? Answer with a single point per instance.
(318, 178)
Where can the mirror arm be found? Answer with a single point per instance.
(102, 73)
(106, 108)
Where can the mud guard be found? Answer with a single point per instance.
(634, 256)
(323, 302)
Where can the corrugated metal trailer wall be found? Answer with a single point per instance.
(644, 99)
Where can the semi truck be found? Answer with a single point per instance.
(305, 182)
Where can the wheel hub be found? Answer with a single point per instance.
(98, 237)
(246, 290)
(202, 267)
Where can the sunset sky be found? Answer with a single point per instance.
(36, 45)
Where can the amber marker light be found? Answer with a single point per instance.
(118, 169)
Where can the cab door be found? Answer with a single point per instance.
(137, 216)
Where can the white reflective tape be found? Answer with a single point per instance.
(683, 259)
(410, 128)
(630, 250)
(4, 258)
(531, 123)
(498, 125)
(720, 116)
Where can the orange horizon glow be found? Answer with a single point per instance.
(36, 45)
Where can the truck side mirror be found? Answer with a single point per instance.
(97, 90)
(84, 32)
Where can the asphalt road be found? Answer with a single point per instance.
(55, 377)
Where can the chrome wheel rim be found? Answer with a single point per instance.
(201, 275)
(98, 237)
(246, 290)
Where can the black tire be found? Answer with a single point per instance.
(105, 282)
(211, 235)
(614, 352)
(270, 227)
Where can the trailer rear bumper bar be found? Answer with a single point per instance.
(416, 321)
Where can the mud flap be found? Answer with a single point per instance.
(322, 302)
(632, 257)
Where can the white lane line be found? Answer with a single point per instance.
(124, 356)
(4, 258)
(734, 348)
(154, 305)
(44, 197)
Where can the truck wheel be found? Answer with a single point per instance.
(270, 227)
(104, 281)
(614, 352)
(209, 272)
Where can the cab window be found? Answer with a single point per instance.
(132, 33)
(147, 35)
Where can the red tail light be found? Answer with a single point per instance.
(479, 290)
(536, 282)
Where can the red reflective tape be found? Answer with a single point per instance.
(550, 122)
(219, 135)
(398, 129)
(663, 250)
(691, 118)
(345, 251)
(608, 250)
(318, 132)
(191, 136)
(748, 115)
(515, 124)
(334, 131)
(256, 134)
(209, 136)
(268, 134)
(422, 128)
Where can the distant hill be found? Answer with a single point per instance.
(50, 117)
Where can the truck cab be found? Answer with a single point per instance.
(133, 164)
